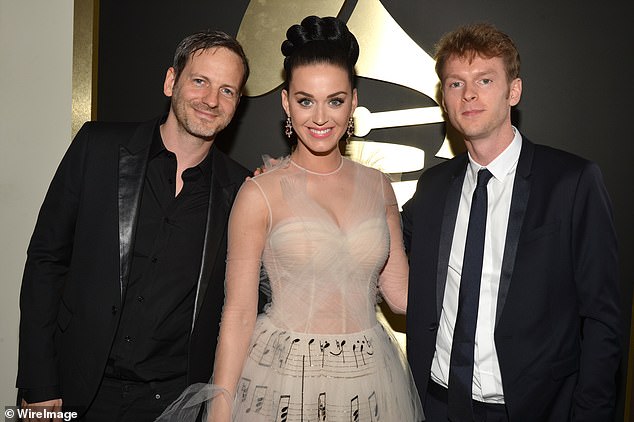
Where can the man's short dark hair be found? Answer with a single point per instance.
(204, 40)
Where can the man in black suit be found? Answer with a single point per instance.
(124, 280)
(513, 308)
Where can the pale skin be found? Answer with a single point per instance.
(478, 97)
(204, 100)
(319, 101)
(319, 114)
(50, 405)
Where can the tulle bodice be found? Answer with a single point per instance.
(324, 253)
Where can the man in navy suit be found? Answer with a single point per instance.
(543, 343)
(124, 280)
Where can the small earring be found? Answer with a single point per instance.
(350, 130)
(288, 128)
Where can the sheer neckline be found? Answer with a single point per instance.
(316, 172)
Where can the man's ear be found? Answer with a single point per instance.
(168, 84)
(515, 91)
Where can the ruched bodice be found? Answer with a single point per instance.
(323, 267)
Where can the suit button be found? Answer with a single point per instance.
(140, 299)
(114, 310)
(154, 260)
(433, 326)
(128, 339)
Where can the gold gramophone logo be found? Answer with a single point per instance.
(387, 53)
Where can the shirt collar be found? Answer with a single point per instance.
(157, 147)
(504, 164)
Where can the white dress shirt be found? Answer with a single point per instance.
(487, 379)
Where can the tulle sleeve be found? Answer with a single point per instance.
(394, 277)
(247, 232)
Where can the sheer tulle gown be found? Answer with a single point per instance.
(318, 352)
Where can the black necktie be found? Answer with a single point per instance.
(462, 349)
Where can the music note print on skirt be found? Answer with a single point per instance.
(301, 377)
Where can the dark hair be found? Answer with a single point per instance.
(205, 40)
(480, 39)
(319, 40)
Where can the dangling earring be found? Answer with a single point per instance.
(350, 130)
(288, 128)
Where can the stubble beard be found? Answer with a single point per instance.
(195, 126)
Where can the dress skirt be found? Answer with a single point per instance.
(299, 377)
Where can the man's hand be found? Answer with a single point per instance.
(256, 172)
(50, 405)
(269, 162)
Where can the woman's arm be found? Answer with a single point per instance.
(247, 234)
(394, 277)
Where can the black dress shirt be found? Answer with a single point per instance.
(152, 338)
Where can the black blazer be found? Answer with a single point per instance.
(557, 322)
(79, 257)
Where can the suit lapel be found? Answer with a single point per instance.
(519, 201)
(447, 229)
(218, 209)
(132, 165)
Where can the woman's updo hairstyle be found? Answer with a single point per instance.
(319, 40)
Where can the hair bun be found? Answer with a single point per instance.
(327, 29)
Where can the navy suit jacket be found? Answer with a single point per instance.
(557, 324)
(79, 258)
